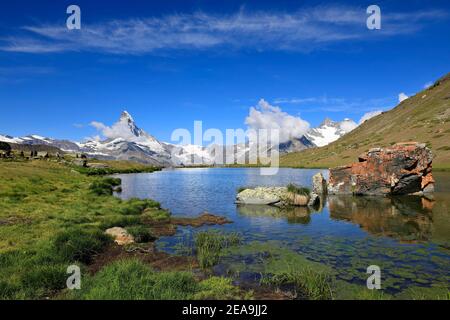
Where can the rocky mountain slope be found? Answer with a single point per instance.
(424, 117)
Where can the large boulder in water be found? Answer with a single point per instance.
(405, 168)
(279, 196)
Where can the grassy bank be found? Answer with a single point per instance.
(52, 217)
(116, 166)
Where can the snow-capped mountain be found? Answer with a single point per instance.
(126, 141)
(329, 131)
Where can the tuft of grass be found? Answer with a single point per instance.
(153, 215)
(119, 221)
(298, 189)
(79, 245)
(209, 244)
(218, 288)
(104, 186)
(140, 233)
(315, 285)
(136, 206)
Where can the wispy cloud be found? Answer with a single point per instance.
(335, 104)
(303, 30)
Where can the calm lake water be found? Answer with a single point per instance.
(408, 237)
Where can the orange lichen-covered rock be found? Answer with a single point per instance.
(404, 168)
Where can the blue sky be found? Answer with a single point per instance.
(172, 62)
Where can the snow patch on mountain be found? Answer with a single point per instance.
(330, 131)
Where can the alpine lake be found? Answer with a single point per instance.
(408, 237)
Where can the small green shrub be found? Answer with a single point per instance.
(298, 190)
(79, 245)
(140, 233)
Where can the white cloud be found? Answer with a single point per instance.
(369, 115)
(266, 116)
(348, 125)
(402, 97)
(303, 30)
(119, 129)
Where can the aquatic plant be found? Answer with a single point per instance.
(312, 284)
(209, 244)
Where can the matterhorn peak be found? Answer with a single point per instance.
(125, 115)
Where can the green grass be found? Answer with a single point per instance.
(116, 166)
(140, 233)
(104, 186)
(137, 206)
(131, 279)
(52, 217)
(209, 244)
(79, 245)
(314, 285)
(298, 189)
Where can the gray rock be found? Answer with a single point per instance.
(319, 184)
(277, 196)
(314, 200)
(261, 195)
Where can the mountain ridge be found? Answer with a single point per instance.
(124, 140)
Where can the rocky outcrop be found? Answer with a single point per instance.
(319, 184)
(405, 168)
(120, 235)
